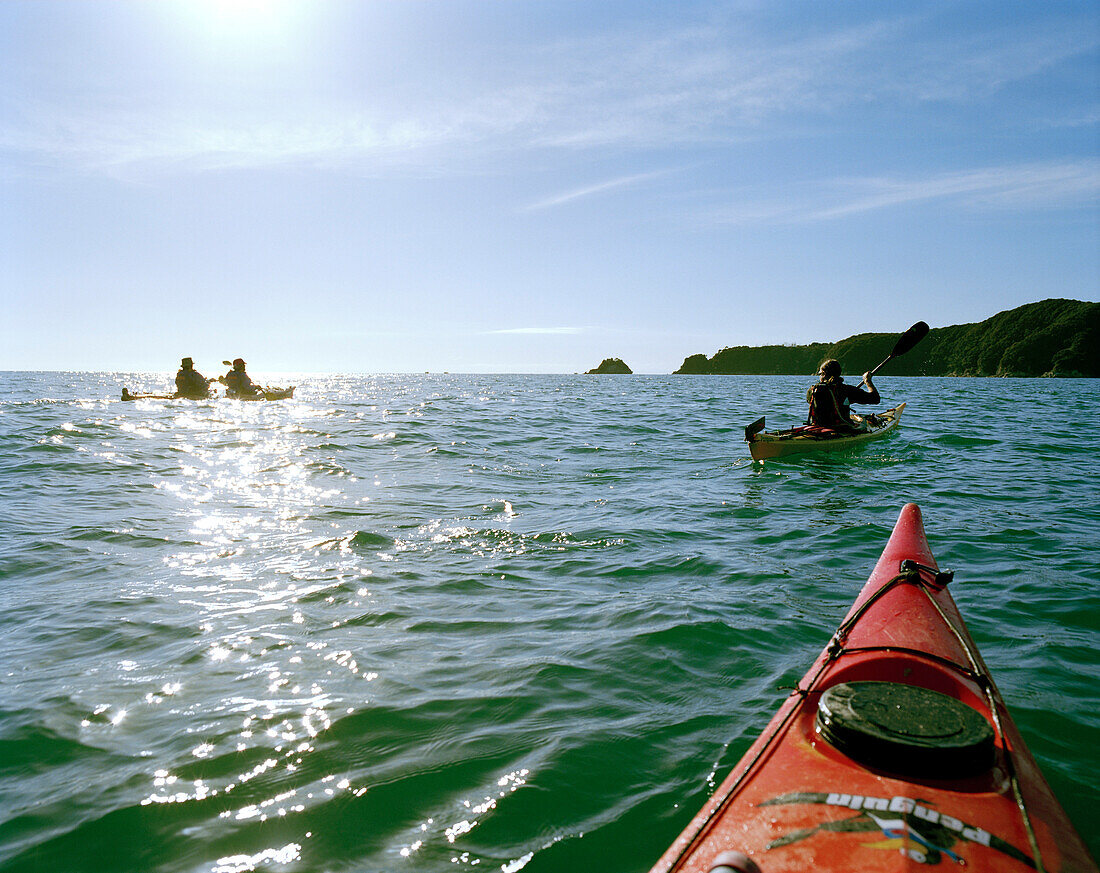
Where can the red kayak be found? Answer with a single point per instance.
(895, 752)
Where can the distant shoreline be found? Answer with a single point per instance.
(1051, 338)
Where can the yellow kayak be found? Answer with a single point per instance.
(808, 438)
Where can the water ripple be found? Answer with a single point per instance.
(521, 623)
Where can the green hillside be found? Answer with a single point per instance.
(1048, 338)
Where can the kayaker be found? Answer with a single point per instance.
(190, 383)
(237, 382)
(831, 400)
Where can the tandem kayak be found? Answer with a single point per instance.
(267, 394)
(808, 438)
(895, 752)
(126, 395)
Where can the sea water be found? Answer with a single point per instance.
(439, 622)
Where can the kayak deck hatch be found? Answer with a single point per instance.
(894, 752)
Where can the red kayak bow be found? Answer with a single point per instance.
(895, 752)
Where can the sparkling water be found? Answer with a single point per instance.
(431, 622)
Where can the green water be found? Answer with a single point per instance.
(425, 623)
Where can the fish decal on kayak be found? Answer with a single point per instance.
(923, 834)
(900, 836)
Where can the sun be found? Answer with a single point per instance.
(234, 13)
(239, 19)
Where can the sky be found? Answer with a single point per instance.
(531, 186)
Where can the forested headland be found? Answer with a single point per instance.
(1048, 338)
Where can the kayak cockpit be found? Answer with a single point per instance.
(815, 438)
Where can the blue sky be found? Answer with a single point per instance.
(515, 186)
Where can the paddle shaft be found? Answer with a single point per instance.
(905, 342)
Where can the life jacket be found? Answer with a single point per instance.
(828, 406)
(238, 382)
(191, 383)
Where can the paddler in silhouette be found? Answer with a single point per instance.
(831, 400)
(190, 383)
(238, 383)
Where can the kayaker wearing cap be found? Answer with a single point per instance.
(190, 383)
(237, 382)
(831, 400)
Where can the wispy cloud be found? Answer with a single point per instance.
(1041, 185)
(553, 331)
(589, 190)
(722, 82)
(137, 141)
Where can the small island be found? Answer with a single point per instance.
(611, 365)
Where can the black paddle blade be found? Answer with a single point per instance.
(910, 338)
(905, 342)
(753, 429)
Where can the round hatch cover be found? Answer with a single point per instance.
(905, 729)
